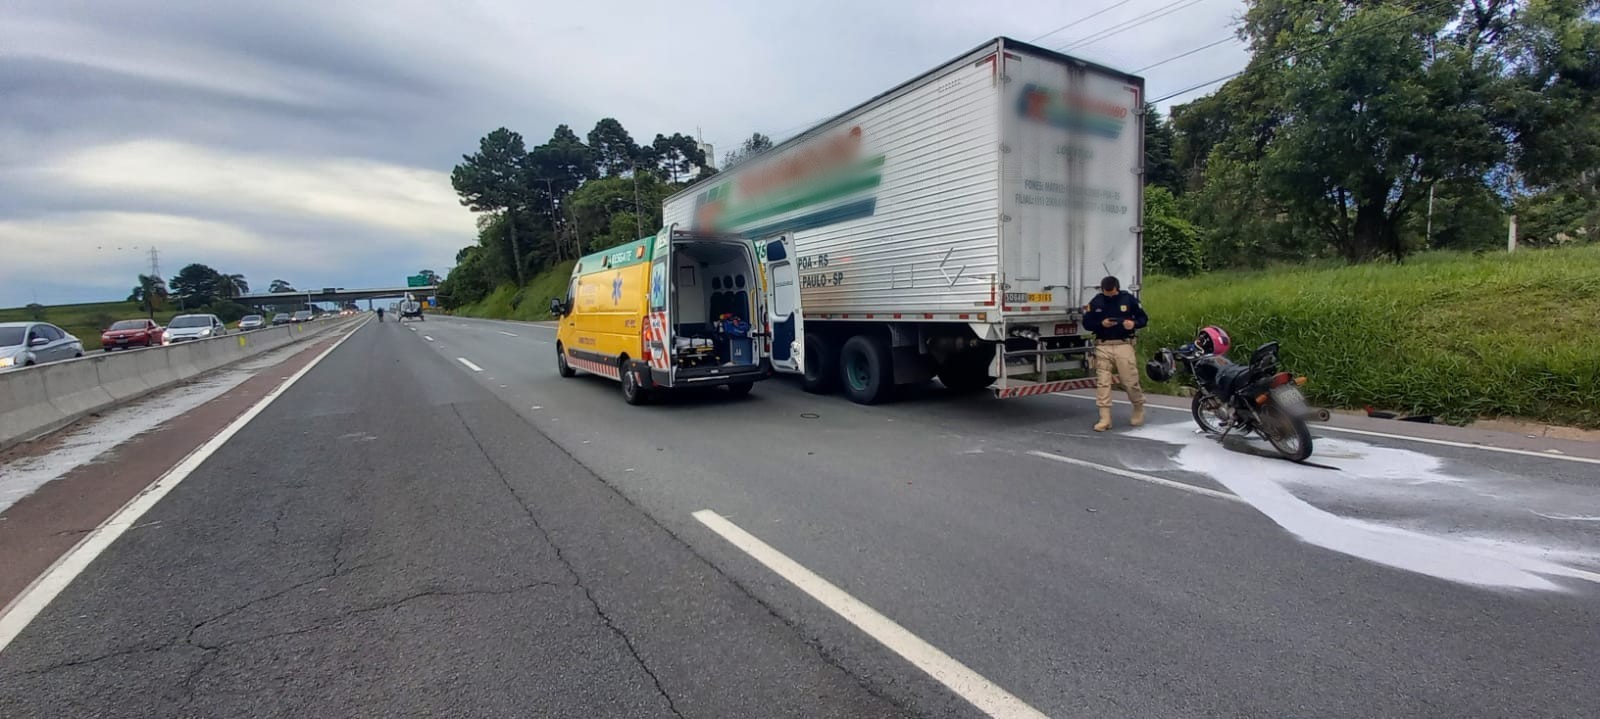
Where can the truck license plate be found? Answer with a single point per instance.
(1066, 328)
(1043, 297)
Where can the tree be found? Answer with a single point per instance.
(1171, 243)
(495, 179)
(196, 285)
(559, 167)
(280, 286)
(677, 156)
(150, 293)
(430, 276)
(1159, 168)
(607, 211)
(35, 311)
(753, 145)
(615, 152)
(232, 286)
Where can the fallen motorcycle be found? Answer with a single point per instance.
(1232, 398)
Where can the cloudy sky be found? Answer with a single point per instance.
(312, 140)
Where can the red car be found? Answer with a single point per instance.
(131, 333)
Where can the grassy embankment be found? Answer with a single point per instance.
(533, 304)
(1455, 335)
(1459, 336)
(86, 321)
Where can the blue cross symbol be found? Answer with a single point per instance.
(616, 290)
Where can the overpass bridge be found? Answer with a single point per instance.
(333, 294)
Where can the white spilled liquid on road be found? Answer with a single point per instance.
(1474, 528)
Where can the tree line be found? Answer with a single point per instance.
(1366, 130)
(566, 197)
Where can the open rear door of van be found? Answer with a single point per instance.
(658, 318)
(785, 322)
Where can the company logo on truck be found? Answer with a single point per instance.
(820, 183)
(1072, 112)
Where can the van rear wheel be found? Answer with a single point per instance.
(866, 366)
(632, 393)
(741, 389)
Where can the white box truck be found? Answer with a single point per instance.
(954, 226)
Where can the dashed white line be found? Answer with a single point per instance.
(36, 596)
(987, 696)
(508, 334)
(430, 339)
(1386, 435)
(469, 364)
(1130, 474)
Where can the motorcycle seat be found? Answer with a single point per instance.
(1231, 379)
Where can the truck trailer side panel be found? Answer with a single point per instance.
(893, 208)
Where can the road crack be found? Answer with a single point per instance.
(577, 579)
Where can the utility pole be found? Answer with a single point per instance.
(1428, 241)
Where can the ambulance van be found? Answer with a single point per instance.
(674, 310)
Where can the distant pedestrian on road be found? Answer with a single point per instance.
(1115, 317)
(380, 314)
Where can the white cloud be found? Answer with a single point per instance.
(106, 250)
(400, 199)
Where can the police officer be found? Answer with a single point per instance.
(1114, 317)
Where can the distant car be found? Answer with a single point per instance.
(193, 327)
(302, 316)
(282, 318)
(128, 334)
(252, 322)
(31, 343)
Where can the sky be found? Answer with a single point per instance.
(312, 141)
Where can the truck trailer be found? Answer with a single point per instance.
(952, 227)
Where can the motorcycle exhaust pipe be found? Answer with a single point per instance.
(1320, 415)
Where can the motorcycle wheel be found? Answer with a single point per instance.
(1289, 435)
(1208, 412)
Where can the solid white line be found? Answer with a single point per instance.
(1130, 474)
(987, 696)
(21, 611)
(1369, 433)
(508, 334)
(430, 339)
(469, 365)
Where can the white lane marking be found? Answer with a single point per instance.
(1130, 474)
(987, 696)
(430, 339)
(469, 364)
(21, 611)
(1370, 433)
(508, 334)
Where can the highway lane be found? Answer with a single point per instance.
(1085, 592)
(389, 539)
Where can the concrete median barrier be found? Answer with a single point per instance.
(37, 400)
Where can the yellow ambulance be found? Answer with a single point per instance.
(674, 310)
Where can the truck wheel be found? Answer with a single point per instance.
(822, 365)
(632, 393)
(562, 368)
(967, 371)
(866, 366)
(741, 389)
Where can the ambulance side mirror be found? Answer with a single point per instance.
(558, 308)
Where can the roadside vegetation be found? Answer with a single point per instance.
(1451, 334)
(85, 321)
(528, 304)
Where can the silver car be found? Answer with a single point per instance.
(193, 327)
(30, 343)
(252, 322)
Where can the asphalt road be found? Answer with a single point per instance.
(433, 522)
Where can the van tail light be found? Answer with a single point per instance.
(644, 342)
(1281, 379)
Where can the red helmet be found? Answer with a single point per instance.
(1213, 340)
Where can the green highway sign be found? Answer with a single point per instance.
(417, 281)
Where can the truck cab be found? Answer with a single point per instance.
(673, 310)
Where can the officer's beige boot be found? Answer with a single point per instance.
(1105, 420)
(1138, 416)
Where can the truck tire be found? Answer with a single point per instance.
(562, 368)
(822, 365)
(967, 371)
(867, 369)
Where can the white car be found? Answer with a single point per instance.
(193, 327)
(30, 343)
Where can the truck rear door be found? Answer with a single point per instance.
(1073, 183)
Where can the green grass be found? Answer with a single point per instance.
(86, 321)
(1459, 336)
(531, 304)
